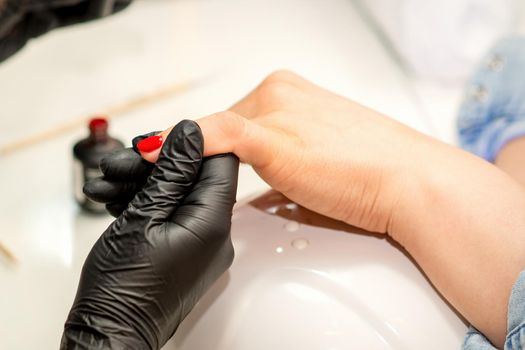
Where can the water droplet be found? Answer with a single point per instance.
(291, 206)
(300, 243)
(292, 226)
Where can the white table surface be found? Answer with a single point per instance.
(84, 69)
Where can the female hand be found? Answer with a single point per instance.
(325, 152)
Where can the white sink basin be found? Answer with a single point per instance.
(301, 281)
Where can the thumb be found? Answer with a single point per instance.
(174, 174)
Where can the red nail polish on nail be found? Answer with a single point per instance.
(150, 144)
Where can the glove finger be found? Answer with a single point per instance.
(116, 208)
(125, 165)
(104, 191)
(174, 174)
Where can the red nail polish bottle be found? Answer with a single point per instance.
(87, 154)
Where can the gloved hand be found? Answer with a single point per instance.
(21, 20)
(153, 263)
(125, 173)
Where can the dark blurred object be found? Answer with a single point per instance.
(87, 155)
(21, 20)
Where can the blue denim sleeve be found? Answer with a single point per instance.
(515, 339)
(493, 111)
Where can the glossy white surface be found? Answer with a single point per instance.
(342, 291)
(234, 44)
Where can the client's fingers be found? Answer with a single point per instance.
(228, 132)
(151, 153)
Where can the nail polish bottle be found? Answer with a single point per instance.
(87, 154)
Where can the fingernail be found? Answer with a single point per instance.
(150, 144)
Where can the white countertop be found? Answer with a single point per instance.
(232, 44)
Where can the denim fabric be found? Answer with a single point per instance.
(516, 316)
(493, 111)
(474, 340)
(515, 340)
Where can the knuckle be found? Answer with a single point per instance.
(274, 91)
(281, 75)
(232, 124)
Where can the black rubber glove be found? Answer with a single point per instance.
(21, 20)
(153, 263)
(125, 173)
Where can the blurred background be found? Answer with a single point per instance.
(160, 61)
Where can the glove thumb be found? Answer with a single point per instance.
(174, 174)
